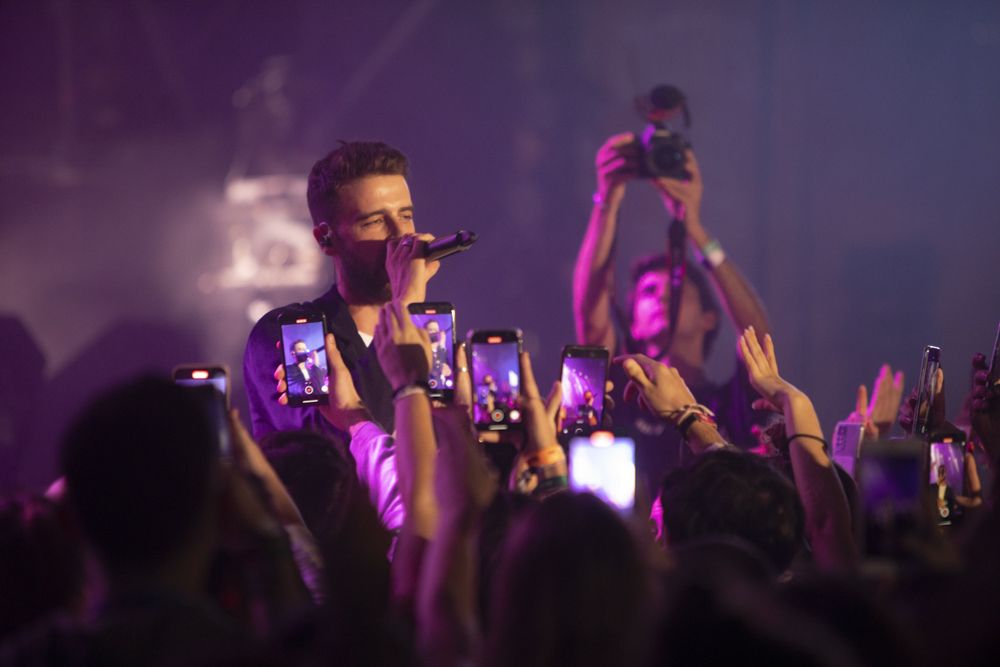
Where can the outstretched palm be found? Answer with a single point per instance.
(762, 366)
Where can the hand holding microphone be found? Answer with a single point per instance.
(412, 260)
(449, 245)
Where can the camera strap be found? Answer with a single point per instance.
(676, 268)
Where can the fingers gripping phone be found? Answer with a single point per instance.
(438, 320)
(496, 379)
(926, 390)
(303, 353)
(584, 374)
(210, 385)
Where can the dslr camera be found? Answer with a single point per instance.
(661, 149)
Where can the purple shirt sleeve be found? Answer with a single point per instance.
(374, 454)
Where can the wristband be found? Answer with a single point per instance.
(826, 447)
(685, 417)
(712, 254)
(541, 472)
(410, 390)
(685, 424)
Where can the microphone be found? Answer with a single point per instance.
(449, 245)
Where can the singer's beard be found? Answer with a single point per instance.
(364, 285)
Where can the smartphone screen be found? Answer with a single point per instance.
(216, 376)
(496, 379)
(891, 479)
(438, 320)
(584, 373)
(946, 476)
(604, 466)
(304, 356)
(927, 388)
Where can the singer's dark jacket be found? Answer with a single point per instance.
(263, 356)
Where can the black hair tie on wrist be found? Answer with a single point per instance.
(826, 447)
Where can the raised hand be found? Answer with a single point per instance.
(984, 407)
(937, 415)
(407, 269)
(463, 383)
(886, 398)
(345, 407)
(878, 415)
(657, 388)
(762, 367)
(539, 415)
(683, 198)
(617, 162)
(404, 350)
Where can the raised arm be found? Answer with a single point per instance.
(404, 352)
(683, 200)
(828, 521)
(448, 630)
(593, 276)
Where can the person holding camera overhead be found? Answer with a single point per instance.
(621, 160)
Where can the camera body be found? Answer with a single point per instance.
(661, 149)
(662, 153)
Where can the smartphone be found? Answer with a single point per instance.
(209, 385)
(847, 436)
(946, 476)
(303, 352)
(993, 375)
(438, 320)
(584, 373)
(496, 379)
(926, 389)
(604, 466)
(891, 478)
(213, 375)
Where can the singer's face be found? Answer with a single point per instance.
(651, 309)
(371, 210)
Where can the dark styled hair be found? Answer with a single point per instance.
(733, 493)
(139, 465)
(349, 162)
(706, 297)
